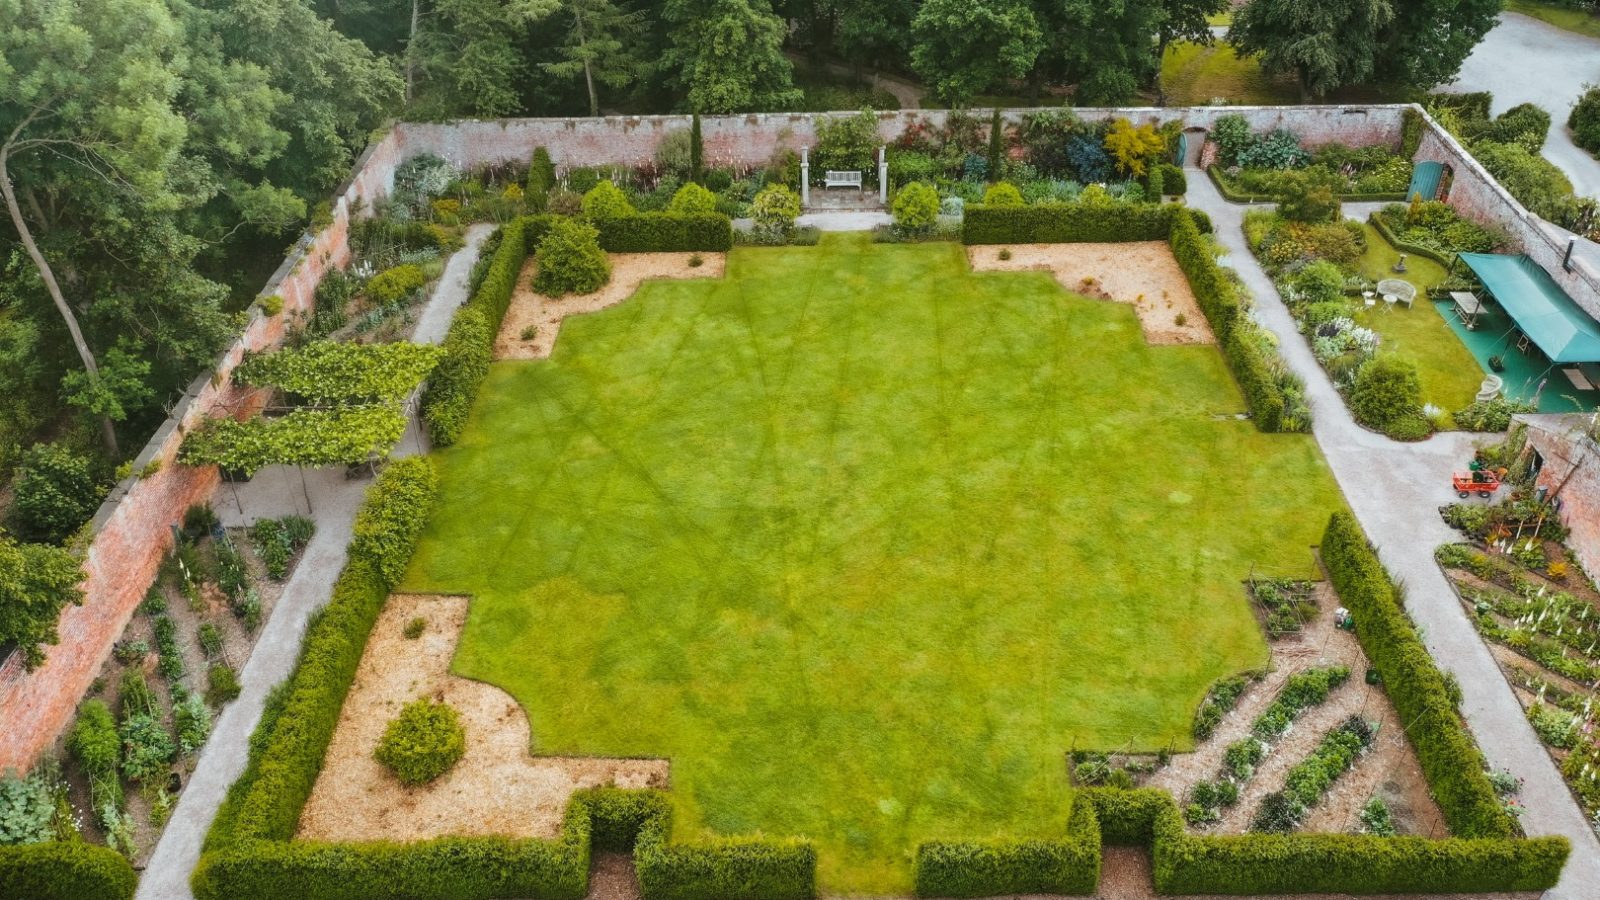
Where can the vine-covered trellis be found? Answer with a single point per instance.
(343, 404)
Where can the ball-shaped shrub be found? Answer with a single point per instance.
(1386, 392)
(423, 742)
(775, 209)
(605, 201)
(570, 260)
(394, 285)
(1004, 194)
(1584, 120)
(692, 199)
(916, 207)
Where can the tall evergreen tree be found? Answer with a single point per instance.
(601, 45)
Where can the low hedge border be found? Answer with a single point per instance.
(1065, 224)
(1233, 864)
(65, 870)
(1451, 761)
(1219, 300)
(1414, 249)
(1234, 195)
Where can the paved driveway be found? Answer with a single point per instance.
(1524, 60)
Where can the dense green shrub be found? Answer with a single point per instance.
(1065, 223)
(1490, 415)
(1173, 180)
(394, 285)
(422, 742)
(570, 260)
(668, 232)
(1386, 392)
(147, 747)
(1003, 195)
(94, 742)
(56, 491)
(469, 346)
(985, 868)
(1535, 181)
(916, 208)
(1310, 196)
(692, 199)
(775, 209)
(1524, 125)
(27, 809)
(606, 201)
(1584, 120)
(1451, 762)
(65, 870)
(222, 684)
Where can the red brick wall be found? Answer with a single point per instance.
(1564, 446)
(133, 529)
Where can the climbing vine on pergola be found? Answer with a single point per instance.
(345, 405)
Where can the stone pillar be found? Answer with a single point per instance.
(805, 177)
(883, 176)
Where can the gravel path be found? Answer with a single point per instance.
(333, 500)
(1395, 490)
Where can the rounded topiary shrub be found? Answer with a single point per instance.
(916, 208)
(423, 742)
(692, 199)
(1387, 392)
(1003, 194)
(606, 201)
(775, 209)
(570, 260)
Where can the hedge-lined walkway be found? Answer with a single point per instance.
(1395, 490)
(336, 499)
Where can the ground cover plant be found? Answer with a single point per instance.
(707, 502)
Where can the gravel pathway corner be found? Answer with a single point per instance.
(1395, 490)
(336, 499)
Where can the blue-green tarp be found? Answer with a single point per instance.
(1544, 312)
(1425, 178)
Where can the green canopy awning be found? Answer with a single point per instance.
(1425, 178)
(1538, 305)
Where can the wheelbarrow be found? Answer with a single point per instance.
(1482, 483)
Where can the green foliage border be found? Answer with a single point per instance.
(1234, 195)
(65, 870)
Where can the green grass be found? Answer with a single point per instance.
(864, 543)
(1579, 21)
(1195, 74)
(1449, 374)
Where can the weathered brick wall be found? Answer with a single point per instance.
(752, 139)
(133, 529)
(1562, 443)
(1477, 196)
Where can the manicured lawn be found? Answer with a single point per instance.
(1449, 374)
(1580, 21)
(1194, 74)
(865, 543)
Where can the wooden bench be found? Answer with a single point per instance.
(842, 179)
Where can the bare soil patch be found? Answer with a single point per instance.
(1388, 770)
(1142, 273)
(498, 787)
(544, 314)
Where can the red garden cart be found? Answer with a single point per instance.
(1483, 483)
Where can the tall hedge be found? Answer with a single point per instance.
(64, 870)
(469, 345)
(1220, 302)
(735, 869)
(1066, 223)
(1450, 760)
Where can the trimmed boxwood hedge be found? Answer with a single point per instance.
(1065, 223)
(1450, 760)
(64, 870)
(1220, 302)
(985, 868)
(1233, 195)
(659, 232)
(469, 345)
(1405, 247)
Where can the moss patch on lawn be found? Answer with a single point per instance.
(865, 543)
